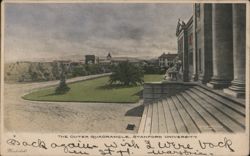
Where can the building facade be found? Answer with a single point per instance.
(90, 59)
(212, 47)
(165, 60)
(184, 33)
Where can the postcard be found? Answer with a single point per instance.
(124, 78)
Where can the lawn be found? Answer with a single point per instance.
(95, 90)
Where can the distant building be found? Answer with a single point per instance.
(75, 63)
(68, 64)
(109, 57)
(151, 62)
(117, 60)
(64, 62)
(90, 59)
(105, 60)
(165, 60)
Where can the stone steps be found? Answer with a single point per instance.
(193, 110)
(239, 107)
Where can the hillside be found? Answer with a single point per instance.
(28, 71)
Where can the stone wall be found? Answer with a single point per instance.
(158, 90)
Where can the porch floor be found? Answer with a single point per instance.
(194, 110)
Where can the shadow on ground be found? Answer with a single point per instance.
(135, 112)
(140, 93)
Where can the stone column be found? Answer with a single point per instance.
(237, 88)
(195, 70)
(185, 56)
(222, 46)
(206, 43)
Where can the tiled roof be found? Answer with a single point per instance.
(168, 55)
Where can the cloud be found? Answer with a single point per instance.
(50, 30)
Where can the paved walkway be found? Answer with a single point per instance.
(31, 116)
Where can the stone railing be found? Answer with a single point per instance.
(156, 90)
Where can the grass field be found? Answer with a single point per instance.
(96, 90)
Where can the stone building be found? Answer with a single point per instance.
(109, 57)
(105, 60)
(184, 33)
(212, 47)
(165, 60)
(212, 51)
(90, 59)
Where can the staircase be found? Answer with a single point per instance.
(192, 109)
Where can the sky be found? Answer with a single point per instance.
(51, 31)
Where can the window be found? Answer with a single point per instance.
(180, 44)
(197, 10)
(199, 61)
(190, 39)
(190, 58)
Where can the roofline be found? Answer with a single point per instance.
(190, 21)
(166, 55)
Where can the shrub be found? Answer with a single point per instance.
(63, 87)
(152, 69)
(79, 71)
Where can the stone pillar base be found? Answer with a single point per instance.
(203, 79)
(194, 77)
(234, 93)
(237, 89)
(217, 86)
(218, 83)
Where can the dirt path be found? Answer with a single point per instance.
(30, 116)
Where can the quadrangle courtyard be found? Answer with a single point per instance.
(76, 117)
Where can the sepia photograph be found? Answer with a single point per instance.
(140, 68)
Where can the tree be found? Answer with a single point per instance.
(55, 71)
(93, 69)
(63, 87)
(79, 71)
(126, 74)
(152, 69)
